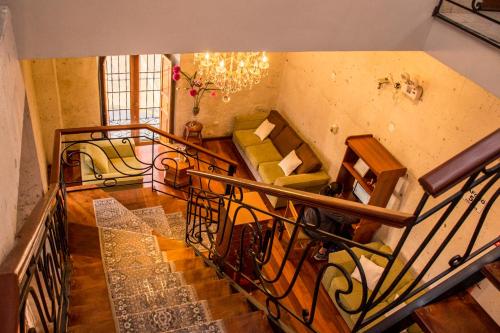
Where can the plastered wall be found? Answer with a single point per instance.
(320, 90)
(218, 116)
(66, 94)
(11, 127)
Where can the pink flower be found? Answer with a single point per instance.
(197, 83)
(193, 92)
(176, 69)
(213, 94)
(176, 77)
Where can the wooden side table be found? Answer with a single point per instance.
(176, 174)
(192, 132)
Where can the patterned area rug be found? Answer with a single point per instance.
(112, 214)
(146, 295)
(109, 213)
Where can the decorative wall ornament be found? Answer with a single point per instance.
(410, 88)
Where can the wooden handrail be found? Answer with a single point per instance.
(26, 239)
(381, 215)
(81, 130)
(55, 170)
(462, 165)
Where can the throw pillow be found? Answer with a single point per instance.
(290, 163)
(372, 272)
(310, 163)
(275, 118)
(264, 129)
(287, 141)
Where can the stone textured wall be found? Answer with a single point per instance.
(66, 94)
(35, 121)
(31, 187)
(217, 116)
(320, 90)
(48, 104)
(78, 83)
(11, 127)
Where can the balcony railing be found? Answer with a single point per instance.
(480, 18)
(248, 255)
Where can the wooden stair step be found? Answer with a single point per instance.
(84, 260)
(178, 254)
(492, 273)
(89, 313)
(167, 244)
(80, 297)
(100, 327)
(187, 264)
(200, 274)
(85, 282)
(94, 299)
(248, 323)
(212, 289)
(227, 306)
(93, 275)
(457, 313)
(82, 270)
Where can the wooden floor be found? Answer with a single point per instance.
(88, 290)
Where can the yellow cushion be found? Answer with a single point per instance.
(351, 300)
(269, 171)
(127, 165)
(396, 268)
(117, 147)
(264, 152)
(97, 159)
(245, 138)
(343, 259)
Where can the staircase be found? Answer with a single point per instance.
(460, 312)
(57, 279)
(90, 309)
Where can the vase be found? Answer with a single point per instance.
(196, 110)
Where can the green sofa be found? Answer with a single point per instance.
(334, 280)
(262, 157)
(111, 159)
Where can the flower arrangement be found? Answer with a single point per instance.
(197, 86)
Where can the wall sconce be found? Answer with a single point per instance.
(410, 89)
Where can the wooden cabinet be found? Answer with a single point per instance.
(378, 182)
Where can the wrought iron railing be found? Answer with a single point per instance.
(97, 157)
(480, 18)
(34, 277)
(242, 239)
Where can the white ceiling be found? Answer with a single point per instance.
(75, 28)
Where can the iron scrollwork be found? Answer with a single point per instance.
(128, 167)
(250, 256)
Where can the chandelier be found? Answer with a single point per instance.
(232, 71)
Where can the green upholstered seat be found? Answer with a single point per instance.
(333, 280)
(269, 171)
(264, 152)
(108, 164)
(246, 138)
